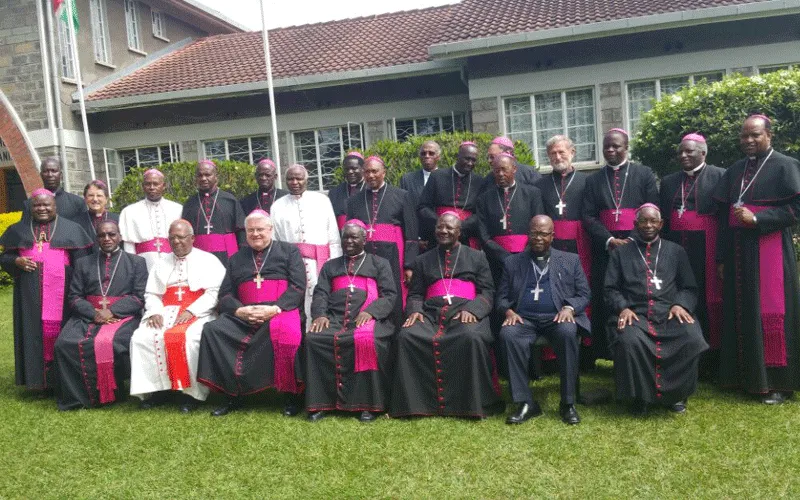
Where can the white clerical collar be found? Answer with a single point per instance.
(298, 196)
(505, 189)
(154, 203)
(381, 187)
(457, 172)
(357, 255)
(692, 172)
(764, 154)
(617, 167)
(113, 252)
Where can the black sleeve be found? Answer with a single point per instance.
(133, 303)
(483, 303)
(410, 231)
(322, 292)
(491, 247)
(591, 216)
(503, 300)
(77, 294)
(7, 259)
(382, 307)
(228, 301)
(416, 290)
(583, 292)
(612, 285)
(426, 209)
(294, 296)
(687, 285)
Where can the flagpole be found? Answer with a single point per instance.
(265, 36)
(71, 28)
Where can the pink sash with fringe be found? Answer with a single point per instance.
(458, 288)
(104, 351)
(217, 243)
(52, 263)
(364, 335)
(318, 253)
(573, 230)
(626, 218)
(150, 246)
(514, 243)
(392, 234)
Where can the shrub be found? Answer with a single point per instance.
(7, 220)
(717, 110)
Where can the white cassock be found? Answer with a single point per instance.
(198, 271)
(307, 219)
(144, 221)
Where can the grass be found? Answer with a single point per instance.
(726, 446)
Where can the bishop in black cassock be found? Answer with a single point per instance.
(759, 201)
(443, 364)
(655, 340)
(267, 192)
(106, 296)
(611, 197)
(215, 215)
(69, 206)
(348, 348)
(38, 252)
(353, 167)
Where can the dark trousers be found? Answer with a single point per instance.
(517, 342)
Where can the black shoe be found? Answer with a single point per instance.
(525, 411)
(367, 416)
(638, 408)
(155, 400)
(312, 417)
(773, 398)
(188, 404)
(569, 415)
(231, 405)
(679, 408)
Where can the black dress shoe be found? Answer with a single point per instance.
(569, 415)
(188, 404)
(155, 400)
(231, 405)
(312, 417)
(679, 407)
(773, 398)
(367, 416)
(638, 408)
(525, 411)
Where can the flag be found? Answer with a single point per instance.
(59, 5)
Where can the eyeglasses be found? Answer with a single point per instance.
(427, 153)
(539, 234)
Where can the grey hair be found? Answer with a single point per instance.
(258, 214)
(181, 222)
(298, 166)
(434, 143)
(556, 139)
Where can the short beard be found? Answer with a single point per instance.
(560, 167)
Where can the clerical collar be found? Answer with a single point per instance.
(457, 172)
(359, 184)
(505, 189)
(617, 167)
(451, 249)
(636, 238)
(210, 192)
(356, 255)
(298, 196)
(692, 172)
(564, 174)
(265, 248)
(265, 191)
(113, 252)
(155, 203)
(379, 188)
(761, 155)
(542, 257)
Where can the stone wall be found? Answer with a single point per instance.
(485, 115)
(611, 105)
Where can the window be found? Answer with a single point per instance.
(114, 169)
(642, 95)
(159, 25)
(100, 36)
(5, 156)
(430, 125)
(151, 156)
(763, 70)
(65, 50)
(534, 119)
(245, 149)
(321, 151)
(132, 24)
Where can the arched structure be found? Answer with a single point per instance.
(15, 138)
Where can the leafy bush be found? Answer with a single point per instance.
(7, 220)
(234, 177)
(717, 110)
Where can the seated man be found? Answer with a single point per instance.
(444, 365)
(180, 297)
(543, 292)
(106, 296)
(348, 348)
(254, 343)
(655, 340)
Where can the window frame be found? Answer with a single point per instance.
(101, 38)
(175, 153)
(66, 56)
(320, 178)
(159, 24)
(132, 25)
(453, 115)
(252, 157)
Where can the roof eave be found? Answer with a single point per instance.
(501, 43)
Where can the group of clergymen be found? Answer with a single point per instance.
(379, 298)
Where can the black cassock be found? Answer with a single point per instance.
(446, 190)
(571, 190)
(261, 199)
(30, 346)
(759, 340)
(213, 221)
(75, 348)
(695, 194)
(444, 366)
(633, 185)
(515, 206)
(235, 357)
(339, 195)
(655, 359)
(90, 223)
(332, 382)
(68, 205)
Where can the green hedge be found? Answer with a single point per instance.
(717, 111)
(6, 220)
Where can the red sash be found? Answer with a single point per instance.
(572, 230)
(52, 263)
(770, 289)
(284, 330)
(626, 218)
(514, 243)
(392, 234)
(364, 335)
(175, 337)
(319, 253)
(104, 351)
(217, 243)
(463, 215)
(692, 221)
(458, 288)
(152, 246)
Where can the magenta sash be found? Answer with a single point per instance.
(53, 261)
(340, 220)
(217, 243)
(319, 253)
(572, 230)
(284, 330)
(104, 351)
(392, 234)
(770, 289)
(458, 288)
(626, 218)
(366, 358)
(463, 215)
(150, 246)
(514, 243)
(692, 221)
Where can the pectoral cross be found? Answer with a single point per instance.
(104, 303)
(656, 281)
(504, 222)
(448, 298)
(39, 245)
(209, 227)
(179, 294)
(536, 291)
(561, 206)
(617, 213)
(258, 280)
(352, 287)
(681, 211)
(370, 231)
(738, 204)
(158, 245)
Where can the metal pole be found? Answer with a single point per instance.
(265, 36)
(71, 28)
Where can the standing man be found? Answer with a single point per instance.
(255, 342)
(144, 224)
(429, 154)
(655, 339)
(349, 346)
(353, 168)
(543, 292)
(525, 173)
(180, 297)
(691, 220)
(443, 364)
(453, 189)
(69, 206)
(305, 218)
(267, 192)
(759, 199)
(391, 226)
(611, 198)
(106, 296)
(38, 253)
(215, 215)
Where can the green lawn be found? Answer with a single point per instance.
(726, 446)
